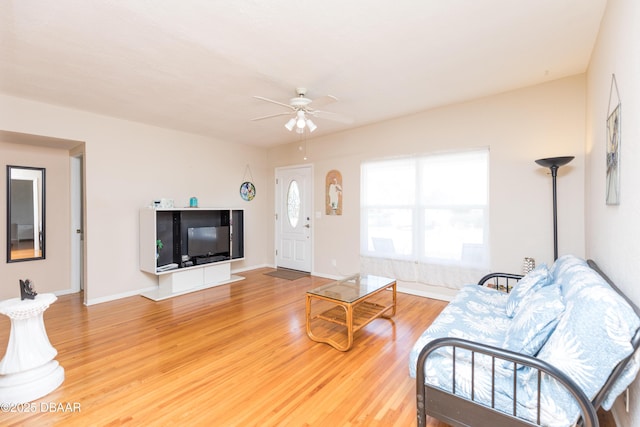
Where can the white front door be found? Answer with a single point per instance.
(293, 218)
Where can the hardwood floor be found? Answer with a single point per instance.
(24, 252)
(234, 355)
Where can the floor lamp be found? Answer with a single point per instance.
(554, 164)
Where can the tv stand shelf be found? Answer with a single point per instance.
(208, 259)
(164, 242)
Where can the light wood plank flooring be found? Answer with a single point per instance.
(234, 355)
(18, 253)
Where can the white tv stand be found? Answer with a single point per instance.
(165, 225)
(190, 279)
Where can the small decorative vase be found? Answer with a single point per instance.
(528, 265)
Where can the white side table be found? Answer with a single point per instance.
(28, 371)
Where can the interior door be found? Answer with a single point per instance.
(293, 218)
(77, 228)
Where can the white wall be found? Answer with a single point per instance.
(51, 273)
(127, 165)
(519, 126)
(613, 232)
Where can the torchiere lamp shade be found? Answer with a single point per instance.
(554, 161)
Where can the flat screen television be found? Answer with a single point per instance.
(208, 241)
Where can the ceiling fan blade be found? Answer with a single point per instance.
(324, 100)
(274, 102)
(271, 115)
(331, 116)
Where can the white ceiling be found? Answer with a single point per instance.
(194, 65)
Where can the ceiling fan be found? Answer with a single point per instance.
(302, 109)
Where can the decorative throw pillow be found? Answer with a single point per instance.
(527, 286)
(535, 321)
(592, 337)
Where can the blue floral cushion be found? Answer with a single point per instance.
(593, 336)
(476, 313)
(534, 321)
(564, 272)
(534, 280)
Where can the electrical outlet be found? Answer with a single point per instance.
(334, 262)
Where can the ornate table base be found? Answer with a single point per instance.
(28, 371)
(23, 387)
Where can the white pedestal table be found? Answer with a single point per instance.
(28, 370)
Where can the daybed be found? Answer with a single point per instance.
(562, 343)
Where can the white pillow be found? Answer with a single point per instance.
(534, 280)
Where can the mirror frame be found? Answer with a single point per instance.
(42, 197)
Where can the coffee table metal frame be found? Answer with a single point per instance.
(352, 309)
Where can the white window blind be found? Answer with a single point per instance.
(425, 218)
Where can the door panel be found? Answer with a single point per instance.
(294, 237)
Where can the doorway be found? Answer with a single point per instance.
(294, 237)
(77, 223)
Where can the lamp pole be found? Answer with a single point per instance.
(554, 163)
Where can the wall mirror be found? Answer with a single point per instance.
(25, 213)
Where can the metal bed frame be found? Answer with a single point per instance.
(457, 410)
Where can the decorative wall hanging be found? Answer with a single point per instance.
(247, 189)
(613, 147)
(334, 193)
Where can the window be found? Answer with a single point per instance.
(293, 204)
(430, 209)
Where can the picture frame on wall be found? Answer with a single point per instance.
(613, 157)
(613, 150)
(333, 183)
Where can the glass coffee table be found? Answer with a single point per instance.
(348, 305)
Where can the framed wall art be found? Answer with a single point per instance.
(334, 193)
(613, 148)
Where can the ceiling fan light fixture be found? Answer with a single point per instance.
(290, 124)
(300, 119)
(301, 106)
(312, 126)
